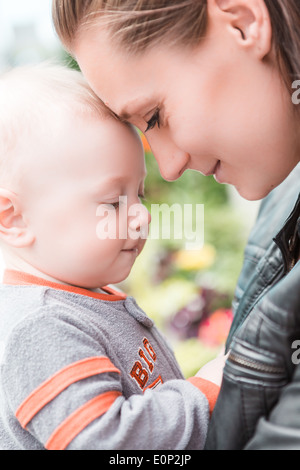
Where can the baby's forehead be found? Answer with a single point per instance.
(51, 119)
(80, 152)
(112, 138)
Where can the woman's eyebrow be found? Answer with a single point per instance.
(132, 107)
(124, 115)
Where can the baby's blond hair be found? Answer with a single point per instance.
(32, 95)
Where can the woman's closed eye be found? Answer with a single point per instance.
(155, 119)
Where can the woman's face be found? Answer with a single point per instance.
(219, 108)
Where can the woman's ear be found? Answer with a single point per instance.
(13, 229)
(248, 21)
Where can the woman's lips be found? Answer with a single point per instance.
(217, 173)
(213, 170)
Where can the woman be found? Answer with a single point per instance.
(213, 84)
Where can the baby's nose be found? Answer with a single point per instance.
(140, 219)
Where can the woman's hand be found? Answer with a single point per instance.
(213, 370)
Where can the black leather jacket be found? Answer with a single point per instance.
(259, 402)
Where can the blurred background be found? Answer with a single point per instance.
(187, 293)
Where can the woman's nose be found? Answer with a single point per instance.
(172, 161)
(171, 168)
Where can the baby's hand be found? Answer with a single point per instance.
(213, 370)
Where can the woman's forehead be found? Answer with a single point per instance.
(124, 81)
(123, 93)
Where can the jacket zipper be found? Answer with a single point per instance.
(254, 365)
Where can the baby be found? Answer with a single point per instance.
(83, 367)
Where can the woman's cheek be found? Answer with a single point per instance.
(193, 140)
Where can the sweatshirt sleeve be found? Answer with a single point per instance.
(65, 391)
(210, 390)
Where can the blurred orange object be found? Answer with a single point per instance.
(145, 143)
(214, 330)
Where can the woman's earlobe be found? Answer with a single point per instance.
(13, 230)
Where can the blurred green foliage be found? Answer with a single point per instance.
(223, 228)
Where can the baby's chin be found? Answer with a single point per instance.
(116, 278)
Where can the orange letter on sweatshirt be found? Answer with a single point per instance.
(139, 374)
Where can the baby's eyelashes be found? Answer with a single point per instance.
(142, 197)
(122, 200)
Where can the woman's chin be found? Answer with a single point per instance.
(253, 194)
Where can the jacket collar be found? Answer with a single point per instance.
(288, 239)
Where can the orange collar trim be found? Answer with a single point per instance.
(19, 278)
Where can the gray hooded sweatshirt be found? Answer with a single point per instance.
(86, 370)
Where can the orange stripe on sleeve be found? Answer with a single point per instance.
(210, 390)
(79, 419)
(60, 381)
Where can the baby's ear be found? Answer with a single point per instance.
(13, 229)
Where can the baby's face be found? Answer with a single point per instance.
(83, 236)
